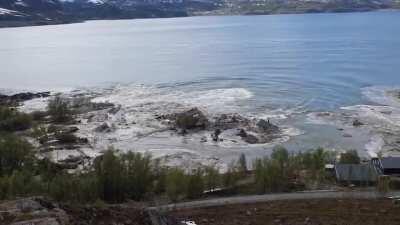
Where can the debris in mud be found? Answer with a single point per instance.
(347, 135)
(357, 123)
(82, 105)
(215, 135)
(231, 121)
(251, 139)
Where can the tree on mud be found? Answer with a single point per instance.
(110, 170)
(58, 109)
(350, 157)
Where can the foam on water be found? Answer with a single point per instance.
(171, 99)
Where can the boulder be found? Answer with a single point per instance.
(34, 210)
(242, 133)
(191, 119)
(104, 128)
(28, 205)
(357, 123)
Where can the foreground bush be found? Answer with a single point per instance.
(11, 120)
(15, 154)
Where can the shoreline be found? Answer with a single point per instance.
(36, 23)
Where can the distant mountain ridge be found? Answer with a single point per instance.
(37, 12)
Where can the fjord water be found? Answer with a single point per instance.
(273, 66)
(315, 60)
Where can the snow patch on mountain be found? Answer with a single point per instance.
(4, 11)
(97, 2)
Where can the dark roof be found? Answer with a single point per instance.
(355, 172)
(391, 162)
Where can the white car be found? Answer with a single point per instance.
(188, 223)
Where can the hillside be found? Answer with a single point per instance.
(40, 12)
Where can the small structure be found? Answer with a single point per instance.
(356, 174)
(390, 166)
(188, 223)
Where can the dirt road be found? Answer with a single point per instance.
(275, 197)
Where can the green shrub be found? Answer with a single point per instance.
(195, 185)
(175, 184)
(20, 183)
(59, 111)
(4, 187)
(139, 175)
(350, 157)
(242, 164)
(268, 175)
(12, 120)
(110, 174)
(15, 154)
(212, 178)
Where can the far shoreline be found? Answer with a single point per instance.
(17, 24)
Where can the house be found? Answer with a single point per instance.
(356, 173)
(390, 166)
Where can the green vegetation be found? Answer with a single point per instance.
(15, 154)
(59, 110)
(350, 157)
(11, 120)
(279, 172)
(115, 177)
(176, 184)
(212, 178)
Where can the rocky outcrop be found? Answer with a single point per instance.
(191, 119)
(265, 126)
(15, 99)
(104, 128)
(40, 211)
(250, 130)
(35, 210)
(187, 120)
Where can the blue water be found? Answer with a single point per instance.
(310, 62)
